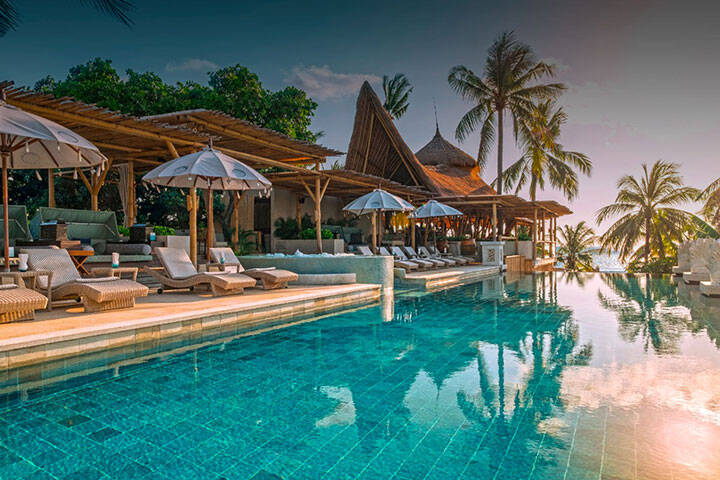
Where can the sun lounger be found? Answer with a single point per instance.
(64, 282)
(413, 255)
(399, 254)
(178, 272)
(435, 251)
(19, 303)
(225, 259)
(404, 264)
(424, 252)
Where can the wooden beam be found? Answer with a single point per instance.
(172, 149)
(120, 148)
(367, 149)
(243, 136)
(51, 188)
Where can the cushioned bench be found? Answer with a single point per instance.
(325, 279)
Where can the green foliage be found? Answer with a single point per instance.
(524, 234)
(162, 230)
(122, 230)
(310, 234)
(650, 213)
(508, 84)
(286, 229)
(234, 90)
(245, 243)
(655, 266)
(397, 91)
(543, 157)
(575, 241)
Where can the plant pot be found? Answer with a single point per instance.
(468, 248)
(442, 245)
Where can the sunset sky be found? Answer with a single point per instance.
(642, 75)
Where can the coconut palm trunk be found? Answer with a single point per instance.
(500, 153)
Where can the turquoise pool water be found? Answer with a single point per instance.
(544, 377)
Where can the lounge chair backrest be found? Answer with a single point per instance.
(176, 261)
(384, 251)
(57, 261)
(226, 256)
(411, 251)
(399, 253)
(364, 250)
(424, 252)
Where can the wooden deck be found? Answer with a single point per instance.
(67, 331)
(445, 277)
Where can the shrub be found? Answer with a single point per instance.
(286, 229)
(125, 231)
(309, 234)
(162, 230)
(654, 266)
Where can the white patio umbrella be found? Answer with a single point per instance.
(435, 209)
(378, 201)
(28, 141)
(208, 169)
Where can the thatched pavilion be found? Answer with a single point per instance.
(451, 175)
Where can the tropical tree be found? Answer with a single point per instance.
(649, 213)
(508, 83)
(543, 157)
(575, 241)
(117, 9)
(397, 91)
(711, 203)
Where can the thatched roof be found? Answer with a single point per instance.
(376, 147)
(439, 151)
(450, 180)
(241, 135)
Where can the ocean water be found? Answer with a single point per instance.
(554, 376)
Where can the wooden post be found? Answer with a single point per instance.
(318, 214)
(412, 233)
(6, 220)
(298, 212)
(542, 232)
(236, 218)
(131, 193)
(192, 208)
(210, 242)
(534, 233)
(495, 222)
(51, 188)
(373, 230)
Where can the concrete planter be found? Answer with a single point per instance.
(525, 248)
(332, 245)
(454, 247)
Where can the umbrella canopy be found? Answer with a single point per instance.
(378, 201)
(434, 209)
(34, 142)
(28, 141)
(208, 169)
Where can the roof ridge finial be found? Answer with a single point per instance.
(437, 127)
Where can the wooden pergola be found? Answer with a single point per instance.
(517, 209)
(143, 143)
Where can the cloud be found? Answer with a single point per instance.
(191, 65)
(321, 83)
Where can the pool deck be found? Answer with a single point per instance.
(66, 331)
(432, 279)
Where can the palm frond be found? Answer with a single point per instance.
(118, 9)
(9, 17)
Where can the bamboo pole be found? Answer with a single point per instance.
(542, 235)
(298, 212)
(494, 222)
(131, 193)
(534, 233)
(412, 233)
(6, 219)
(236, 218)
(318, 215)
(373, 230)
(51, 188)
(210, 242)
(192, 208)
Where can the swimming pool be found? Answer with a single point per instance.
(547, 377)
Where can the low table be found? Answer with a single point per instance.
(115, 272)
(79, 257)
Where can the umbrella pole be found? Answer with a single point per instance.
(412, 233)
(6, 220)
(193, 226)
(374, 232)
(210, 225)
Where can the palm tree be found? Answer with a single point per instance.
(118, 9)
(507, 83)
(543, 155)
(397, 91)
(574, 244)
(649, 213)
(711, 206)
